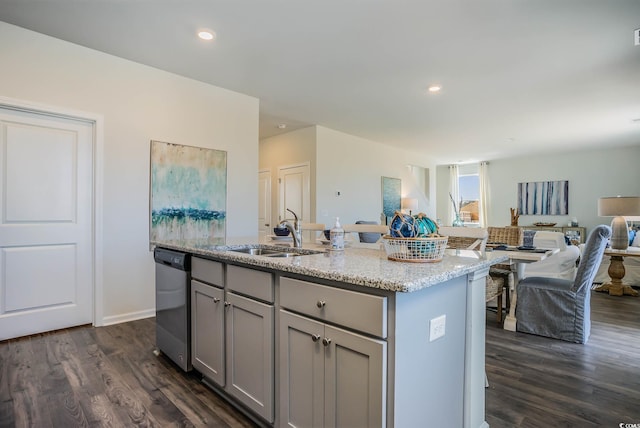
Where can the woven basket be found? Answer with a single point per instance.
(417, 250)
(509, 235)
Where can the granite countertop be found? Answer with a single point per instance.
(363, 265)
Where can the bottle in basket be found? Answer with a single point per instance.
(336, 236)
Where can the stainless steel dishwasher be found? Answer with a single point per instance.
(173, 327)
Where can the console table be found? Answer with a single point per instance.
(577, 235)
(616, 272)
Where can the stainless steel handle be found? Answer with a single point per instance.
(315, 337)
(326, 341)
(321, 303)
(216, 299)
(227, 304)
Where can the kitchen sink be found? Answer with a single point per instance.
(276, 252)
(257, 251)
(285, 255)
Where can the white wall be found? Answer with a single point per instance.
(355, 166)
(591, 174)
(138, 104)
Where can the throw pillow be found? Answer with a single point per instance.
(527, 238)
(632, 236)
(636, 241)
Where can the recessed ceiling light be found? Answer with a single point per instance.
(282, 125)
(206, 35)
(434, 88)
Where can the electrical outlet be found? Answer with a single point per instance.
(437, 327)
(636, 37)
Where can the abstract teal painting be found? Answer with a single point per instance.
(188, 192)
(391, 199)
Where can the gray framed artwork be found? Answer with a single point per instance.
(543, 198)
(391, 199)
(188, 193)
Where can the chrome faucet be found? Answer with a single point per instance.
(295, 229)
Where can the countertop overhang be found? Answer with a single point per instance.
(363, 265)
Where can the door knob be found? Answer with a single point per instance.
(227, 304)
(216, 299)
(315, 337)
(326, 341)
(321, 304)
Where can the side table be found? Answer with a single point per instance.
(616, 272)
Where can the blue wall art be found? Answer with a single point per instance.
(188, 192)
(391, 199)
(543, 198)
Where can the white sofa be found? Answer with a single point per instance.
(560, 265)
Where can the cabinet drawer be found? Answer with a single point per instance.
(359, 311)
(250, 282)
(208, 271)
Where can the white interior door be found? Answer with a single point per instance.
(46, 240)
(294, 192)
(264, 204)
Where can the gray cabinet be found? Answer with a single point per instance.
(233, 331)
(250, 353)
(330, 375)
(207, 331)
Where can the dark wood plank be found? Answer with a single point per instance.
(109, 376)
(541, 382)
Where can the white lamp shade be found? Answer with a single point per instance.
(409, 204)
(618, 207)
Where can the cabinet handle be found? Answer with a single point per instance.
(326, 341)
(315, 337)
(321, 304)
(227, 304)
(216, 299)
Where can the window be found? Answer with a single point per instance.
(469, 191)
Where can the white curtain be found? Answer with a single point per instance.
(483, 172)
(454, 191)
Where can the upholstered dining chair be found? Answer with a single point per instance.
(374, 231)
(560, 308)
(475, 238)
(312, 231)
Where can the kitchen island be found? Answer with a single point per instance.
(340, 338)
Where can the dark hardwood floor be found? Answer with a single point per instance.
(110, 377)
(540, 382)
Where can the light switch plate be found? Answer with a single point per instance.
(636, 37)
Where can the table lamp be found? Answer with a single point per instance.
(409, 204)
(618, 207)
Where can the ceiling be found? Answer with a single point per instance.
(518, 76)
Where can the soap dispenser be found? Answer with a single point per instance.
(336, 236)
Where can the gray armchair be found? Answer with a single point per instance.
(560, 308)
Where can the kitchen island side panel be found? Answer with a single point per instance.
(429, 375)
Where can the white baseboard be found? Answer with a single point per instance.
(131, 316)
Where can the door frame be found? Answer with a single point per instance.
(97, 123)
(269, 202)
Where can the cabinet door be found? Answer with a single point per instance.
(355, 380)
(301, 371)
(207, 331)
(250, 353)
